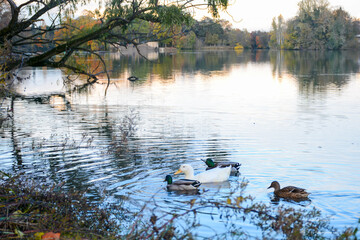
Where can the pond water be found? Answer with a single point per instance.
(286, 116)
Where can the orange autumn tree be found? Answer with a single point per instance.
(75, 26)
(258, 43)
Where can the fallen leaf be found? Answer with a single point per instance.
(192, 202)
(51, 236)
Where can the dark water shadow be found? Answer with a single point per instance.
(183, 192)
(274, 200)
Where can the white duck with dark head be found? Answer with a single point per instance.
(212, 175)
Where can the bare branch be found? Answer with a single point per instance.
(104, 65)
(14, 13)
(16, 27)
(27, 3)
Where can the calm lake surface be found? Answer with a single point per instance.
(293, 117)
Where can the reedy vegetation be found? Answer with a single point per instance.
(30, 207)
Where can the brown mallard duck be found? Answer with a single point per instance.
(235, 166)
(181, 184)
(289, 191)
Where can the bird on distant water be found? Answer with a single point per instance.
(235, 166)
(133, 78)
(289, 191)
(182, 184)
(213, 175)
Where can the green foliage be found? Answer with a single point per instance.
(219, 32)
(315, 27)
(190, 40)
(207, 26)
(277, 34)
(237, 36)
(215, 5)
(211, 39)
(173, 15)
(187, 42)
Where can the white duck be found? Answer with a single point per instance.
(212, 175)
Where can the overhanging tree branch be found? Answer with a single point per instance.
(28, 44)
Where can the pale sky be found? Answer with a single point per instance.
(258, 14)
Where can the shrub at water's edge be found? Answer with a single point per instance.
(30, 209)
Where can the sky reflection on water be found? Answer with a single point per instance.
(291, 117)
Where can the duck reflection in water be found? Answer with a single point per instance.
(275, 200)
(217, 185)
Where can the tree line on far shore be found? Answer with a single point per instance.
(316, 26)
